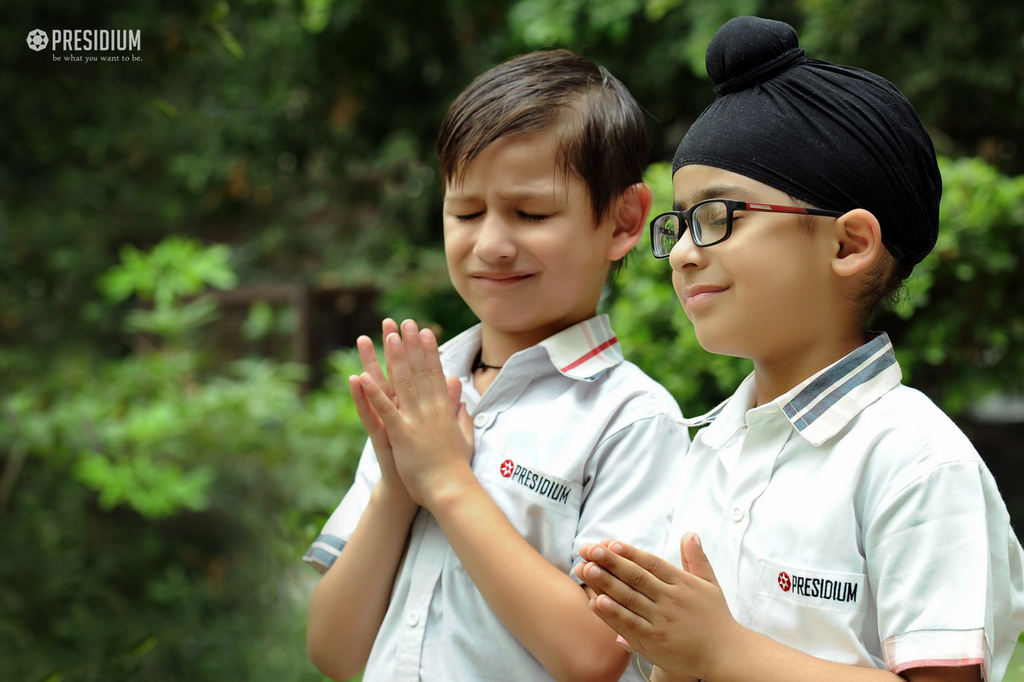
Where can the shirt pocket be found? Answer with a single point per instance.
(543, 506)
(795, 605)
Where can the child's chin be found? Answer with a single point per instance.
(713, 343)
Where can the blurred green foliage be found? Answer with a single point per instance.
(159, 503)
(961, 330)
(154, 501)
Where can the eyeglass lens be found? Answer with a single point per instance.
(709, 223)
(666, 234)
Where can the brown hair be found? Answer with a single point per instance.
(605, 139)
(885, 285)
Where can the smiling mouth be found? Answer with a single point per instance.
(694, 297)
(501, 280)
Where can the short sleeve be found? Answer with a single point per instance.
(338, 529)
(629, 484)
(946, 569)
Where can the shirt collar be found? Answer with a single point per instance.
(825, 403)
(583, 351)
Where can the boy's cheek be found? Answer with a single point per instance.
(677, 285)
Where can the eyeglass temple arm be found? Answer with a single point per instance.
(893, 249)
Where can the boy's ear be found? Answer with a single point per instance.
(858, 242)
(629, 212)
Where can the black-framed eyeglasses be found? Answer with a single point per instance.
(710, 222)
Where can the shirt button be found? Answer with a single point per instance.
(412, 618)
(480, 421)
(736, 514)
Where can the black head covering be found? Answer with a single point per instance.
(834, 136)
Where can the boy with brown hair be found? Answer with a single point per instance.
(451, 556)
(855, 533)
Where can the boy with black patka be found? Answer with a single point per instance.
(451, 556)
(853, 531)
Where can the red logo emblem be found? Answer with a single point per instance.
(507, 467)
(784, 582)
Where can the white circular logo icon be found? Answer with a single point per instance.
(37, 40)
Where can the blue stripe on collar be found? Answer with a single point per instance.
(838, 373)
(822, 405)
(825, 403)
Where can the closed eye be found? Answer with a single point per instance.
(533, 217)
(469, 216)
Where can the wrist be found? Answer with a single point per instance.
(662, 675)
(447, 489)
(393, 497)
(744, 653)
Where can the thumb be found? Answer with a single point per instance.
(465, 423)
(454, 392)
(695, 561)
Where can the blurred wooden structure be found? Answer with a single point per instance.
(325, 319)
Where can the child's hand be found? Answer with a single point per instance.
(368, 357)
(429, 441)
(677, 619)
(368, 416)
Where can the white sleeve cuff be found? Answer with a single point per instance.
(936, 648)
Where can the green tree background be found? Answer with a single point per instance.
(155, 496)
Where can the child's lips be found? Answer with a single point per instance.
(697, 295)
(500, 279)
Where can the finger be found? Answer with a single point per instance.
(385, 409)
(586, 548)
(413, 348)
(368, 416)
(388, 327)
(432, 360)
(626, 624)
(607, 582)
(578, 572)
(652, 563)
(398, 366)
(600, 614)
(695, 561)
(371, 365)
(633, 575)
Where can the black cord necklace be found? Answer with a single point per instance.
(480, 364)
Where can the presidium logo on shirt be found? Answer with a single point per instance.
(804, 587)
(531, 480)
(821, 588)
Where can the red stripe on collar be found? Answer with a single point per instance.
(607, 344)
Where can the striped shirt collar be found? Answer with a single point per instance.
(825, 403)
(585, 350)
(582, 352)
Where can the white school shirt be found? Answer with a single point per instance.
(573, 444)
(852, 520)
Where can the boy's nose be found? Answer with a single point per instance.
(494, 240)
(686, 253)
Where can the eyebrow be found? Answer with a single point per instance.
(526, 195)
(510, 197)
(716, 192)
